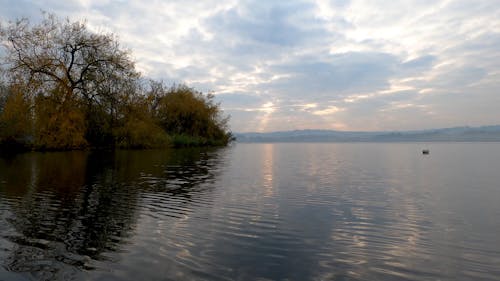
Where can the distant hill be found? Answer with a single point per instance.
(456, 134)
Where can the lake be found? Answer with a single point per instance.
(310, 211)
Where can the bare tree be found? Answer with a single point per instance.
(66, 55)
(64, 65)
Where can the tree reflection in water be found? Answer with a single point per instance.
(63, 212)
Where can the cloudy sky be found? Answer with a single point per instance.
(319, 64)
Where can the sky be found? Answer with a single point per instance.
(324, 64)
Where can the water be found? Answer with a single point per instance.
(254, 212)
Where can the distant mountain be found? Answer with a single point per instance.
(456, 134)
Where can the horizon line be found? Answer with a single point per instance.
(369, 131)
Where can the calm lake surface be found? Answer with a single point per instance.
(254, 212)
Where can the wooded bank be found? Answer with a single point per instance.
(64, 87)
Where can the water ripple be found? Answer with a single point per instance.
(252, 212)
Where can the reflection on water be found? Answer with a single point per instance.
(62, 212)
(253, 211)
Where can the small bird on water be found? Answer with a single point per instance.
(425, 151)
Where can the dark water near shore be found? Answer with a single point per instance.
(253, 212)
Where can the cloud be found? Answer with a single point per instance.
(278, 23)
(344, 64)
(336, 74)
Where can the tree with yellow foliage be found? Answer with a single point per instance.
(183, 111)
(15, 117)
